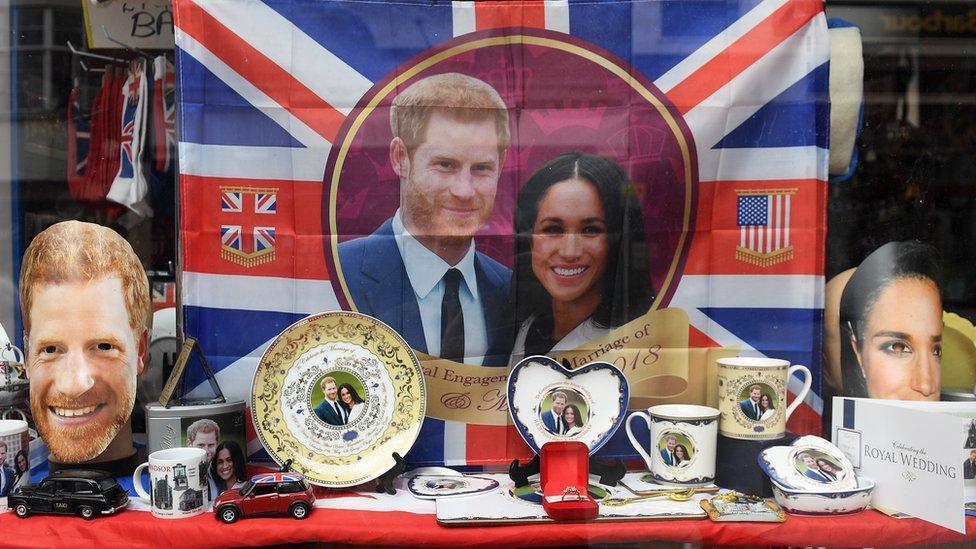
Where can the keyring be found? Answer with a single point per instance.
(571, 491)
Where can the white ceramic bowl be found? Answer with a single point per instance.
(824, 502)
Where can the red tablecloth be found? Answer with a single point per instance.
(140, 529)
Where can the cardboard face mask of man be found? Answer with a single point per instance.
(85, 302)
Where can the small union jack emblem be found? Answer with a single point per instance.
(246, 238)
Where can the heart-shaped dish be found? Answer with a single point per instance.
(550, 403)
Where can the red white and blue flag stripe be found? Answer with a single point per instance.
(264, 87)
(276, 478)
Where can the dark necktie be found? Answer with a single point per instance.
(452, 321)
(756, 407)
(342, 420)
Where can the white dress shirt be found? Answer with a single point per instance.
(586, 332)
(426, 270)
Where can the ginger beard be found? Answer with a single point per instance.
(83, 442)
(83, 360)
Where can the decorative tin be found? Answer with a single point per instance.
(171, 427)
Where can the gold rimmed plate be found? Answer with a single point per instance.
(338, 393)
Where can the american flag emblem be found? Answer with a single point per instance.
(244, 237)
(763, 217)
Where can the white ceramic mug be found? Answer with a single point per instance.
(14, 435)
(752, 396)
(179, 482)
(683, 443)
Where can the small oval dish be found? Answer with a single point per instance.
(824, 502)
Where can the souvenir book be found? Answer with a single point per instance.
(921, 455)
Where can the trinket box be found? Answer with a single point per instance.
(564, 474)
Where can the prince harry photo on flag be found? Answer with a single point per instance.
(419, 271)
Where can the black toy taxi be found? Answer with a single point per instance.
(70, 492)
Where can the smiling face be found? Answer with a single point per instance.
(207, 440)
(809, 461)
(569, 416)
(754, 393)
(558, 403)
(448, 183)
(345, 396)
(570, 244)
(671, 443)
(22, 464)
(901, 351)
(225, 466)
(826, 466)
(330, 390)
(82, 360)
(765, 402)
(679, 452)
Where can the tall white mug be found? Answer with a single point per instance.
(752, 396)
(179, 482)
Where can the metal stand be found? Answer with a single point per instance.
(610, 473)
(384, 484)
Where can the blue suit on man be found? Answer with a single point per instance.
(327, 413)
(817, 475)
(377, 281)
(8, 481)
(551, 423)
(666, 457)
(749, 409)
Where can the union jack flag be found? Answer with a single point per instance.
(275, 478)
(266, 86)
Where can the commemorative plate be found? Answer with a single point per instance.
(338, 393)
(550, 403)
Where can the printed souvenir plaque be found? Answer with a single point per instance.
(338, 393)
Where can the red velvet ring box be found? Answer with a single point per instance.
(564, 474)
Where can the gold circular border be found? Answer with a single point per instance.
(409, 395)
(579, 51)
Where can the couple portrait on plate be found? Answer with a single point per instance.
(563, 417)
(342, 404)
(818, 468)
(580, 264)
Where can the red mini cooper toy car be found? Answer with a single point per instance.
(266, 494)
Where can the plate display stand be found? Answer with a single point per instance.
(384, 484)
(610, 472)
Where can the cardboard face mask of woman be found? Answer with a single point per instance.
(891, 325)
(85, 302)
